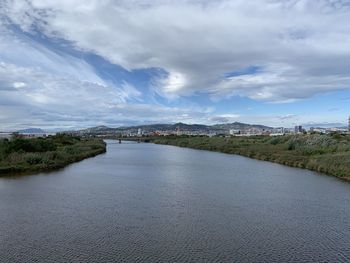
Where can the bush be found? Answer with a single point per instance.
(46, 153)
(33, 158)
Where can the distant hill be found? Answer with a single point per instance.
(240, 126)
(199, 128)
(325, 125)
(98, 129)
(31, 130)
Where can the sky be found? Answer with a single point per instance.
(73, 64)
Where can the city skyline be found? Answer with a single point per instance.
(78, 64)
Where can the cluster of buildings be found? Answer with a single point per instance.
(247, 131)
(329, 130)
(210, 133)
(9, 135)
(176, 132)
(198, 130)
(268, 132)
(298, 129)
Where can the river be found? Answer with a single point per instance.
(142, 202)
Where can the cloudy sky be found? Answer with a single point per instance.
(80, 63)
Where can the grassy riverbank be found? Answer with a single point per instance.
(42, 154)
(329, 154)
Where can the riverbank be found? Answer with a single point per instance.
(26, 156)
(328, 154)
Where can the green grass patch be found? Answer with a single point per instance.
(21, 155)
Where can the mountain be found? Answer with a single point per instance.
(240, 126)
(31, 130)
(325, 125)
(183, 127)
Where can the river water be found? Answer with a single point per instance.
(153, 203)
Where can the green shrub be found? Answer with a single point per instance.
(46, 153)
(33, 158)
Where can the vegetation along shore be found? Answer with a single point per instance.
(329, 154)
(20, 155)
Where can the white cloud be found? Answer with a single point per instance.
(280, 83)
(19, 85)
(301, 46)
(48, 94)
(40, 87)
(21, 50)
(62, 102)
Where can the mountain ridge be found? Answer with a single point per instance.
(31, 130)
(225, 127)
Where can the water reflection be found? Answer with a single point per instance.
(152, 203)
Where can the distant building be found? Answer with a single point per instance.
(234, 131)
(318, 130)
(139, 132)
(33, 135)
(279, 130)
(298, 129)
